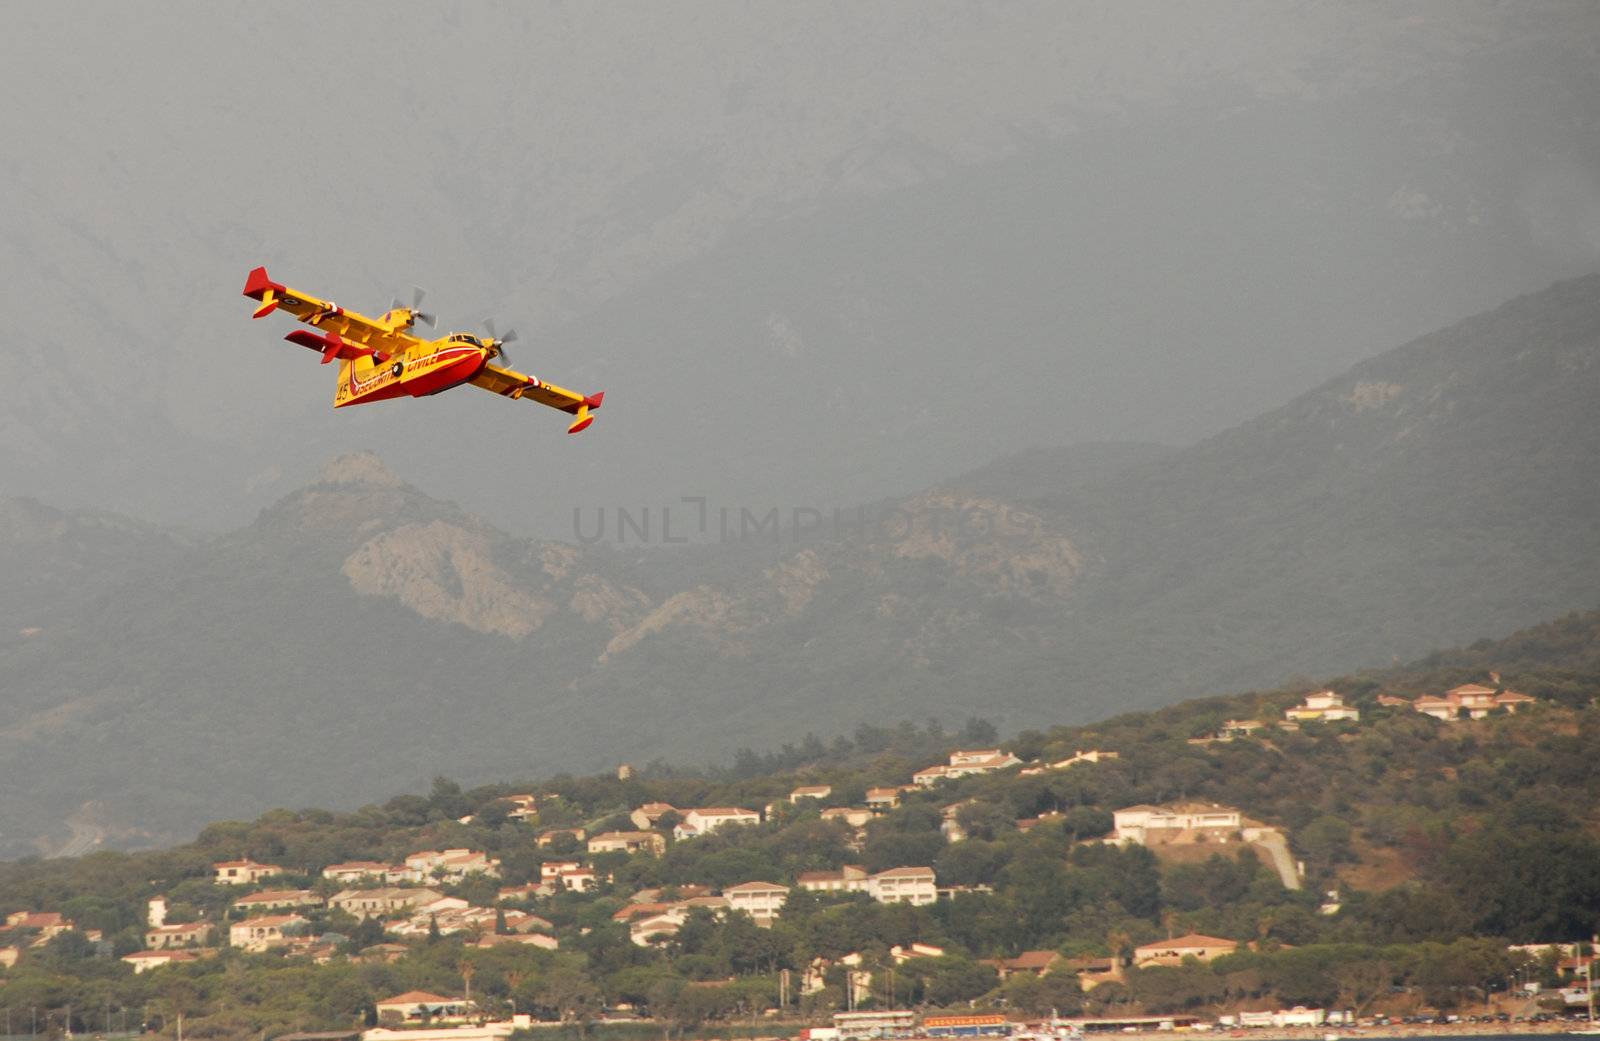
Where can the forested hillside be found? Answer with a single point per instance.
(1445, 840)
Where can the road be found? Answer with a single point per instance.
(1277, 848)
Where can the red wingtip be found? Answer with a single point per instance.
(593, 400)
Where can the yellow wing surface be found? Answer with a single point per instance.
(379, 336)
(513, 384)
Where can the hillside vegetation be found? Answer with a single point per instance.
(1486, 830)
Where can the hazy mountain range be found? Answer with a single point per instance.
(815, 255)
(360, 635)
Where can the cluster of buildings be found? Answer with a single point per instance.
(35, 929)
(271, 919)
(965, 763)
(429, 865)
(651, 919)
(1467, 701)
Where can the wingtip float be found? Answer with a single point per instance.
(380, 358)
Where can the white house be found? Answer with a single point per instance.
(706, 819)
(904, 885)
(166, 937)
(628, 842)
(381, 903)
(550, 870)
(1324, 706)
(357, 871)
(277, 900)
(259, 934)
(762, 901)
(243, 872)
(854, 816)
(1172, 952)
(1144, 824)
(454, 864)
(882, 800)
(144, 961)
(647, 815)
(852, 878)
(416, 1006)
(964, 763)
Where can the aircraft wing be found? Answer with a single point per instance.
(326, 315)
(512, 384)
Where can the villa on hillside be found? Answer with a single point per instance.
(260, 934)
(1094, 755)
(450, 864)
(964, 763)
(165, 937)
(1037, 963)
(545, 839)
(1145, 825)
(524, 807)
(852, 878)
(551, 870)
(648, 815)
(1172, 952)
(358, 871)
(706, 819)
(144, 961)
(904, 885)
(1470, 701)
(381, 903)
(762, 901)
(277, 900)
(243, 872)
(417, 1006)
(882, 800)
(628, 842)
(854, 816)
(1324, 706)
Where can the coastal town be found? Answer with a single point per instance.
(578, 877)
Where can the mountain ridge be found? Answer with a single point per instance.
(1374, 516)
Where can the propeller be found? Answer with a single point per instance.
(418, 315)
(499, 341)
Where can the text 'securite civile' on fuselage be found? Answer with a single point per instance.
(380, 358)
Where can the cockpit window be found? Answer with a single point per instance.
(466, 338)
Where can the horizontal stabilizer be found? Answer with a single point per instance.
(584, 408)
(330, 345)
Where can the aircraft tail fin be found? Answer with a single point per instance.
(258, 286)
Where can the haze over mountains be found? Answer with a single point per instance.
(360, 635)
(816, 256)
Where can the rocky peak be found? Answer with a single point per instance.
(362, 467)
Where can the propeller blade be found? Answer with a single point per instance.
(426, 319)
(509, 337)
(395, 304)
(417, 293)
(488, 327)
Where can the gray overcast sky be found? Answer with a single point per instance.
(814, 252)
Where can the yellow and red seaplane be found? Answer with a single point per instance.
(380, 358)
